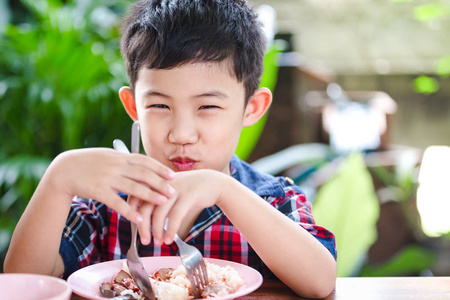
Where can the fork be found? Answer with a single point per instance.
(134, 262)
(194, 263)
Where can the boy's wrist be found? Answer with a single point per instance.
(228, 187)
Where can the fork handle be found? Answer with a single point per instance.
(177, 239)
(135, 140)
(133, 234)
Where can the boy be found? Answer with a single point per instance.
(194, 68)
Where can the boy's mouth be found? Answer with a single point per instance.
(183, 163)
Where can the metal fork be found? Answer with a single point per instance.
(135, 265)
(194, 263)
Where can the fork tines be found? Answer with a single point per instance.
(198, 277)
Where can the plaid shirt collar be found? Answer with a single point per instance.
(260, 183)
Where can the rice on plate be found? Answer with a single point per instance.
(174, 284)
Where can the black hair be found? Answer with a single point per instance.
(163, 34)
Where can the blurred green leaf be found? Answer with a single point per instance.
(443, 66)
(401, 178)
(22, 165)
(250, 135)
(348, 206)
(429, 11)
(426, 85)
(5, 236)
(409, 262)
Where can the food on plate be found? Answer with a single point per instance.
(174, 284)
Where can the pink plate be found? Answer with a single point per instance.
(32, 286)
(86, 281)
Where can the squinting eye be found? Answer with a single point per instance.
(158, 106)
(208, 106)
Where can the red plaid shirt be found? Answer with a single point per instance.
(95, 233)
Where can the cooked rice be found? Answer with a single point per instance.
(178, 287)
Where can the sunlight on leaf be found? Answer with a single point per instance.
(426, 85)
(430, 11)
(443, 66)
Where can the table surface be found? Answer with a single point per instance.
(371, 288)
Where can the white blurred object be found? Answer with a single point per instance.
(268, 17)
(433, 194)
(354, 126)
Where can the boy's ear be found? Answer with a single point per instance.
(127, 98)
(257, 106)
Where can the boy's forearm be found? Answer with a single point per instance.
(35, 243)
(291, 253)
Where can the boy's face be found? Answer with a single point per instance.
(190, 116)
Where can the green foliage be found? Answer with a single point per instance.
(410, 261)
(401, 178)
(443, 66)
(250, 135)
(431, 11)
(19, 176)
(428, 13)
(426, 85)
(59, 77)
(348, 206)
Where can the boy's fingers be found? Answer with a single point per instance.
(148, 181)
(133, 202)
(153, 165)
(145, 210)
(122, 207)
(176, 216)
(159, 216)
(140, 191)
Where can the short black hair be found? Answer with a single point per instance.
(163, 34)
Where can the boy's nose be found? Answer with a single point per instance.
(183, 131)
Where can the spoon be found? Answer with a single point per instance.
(134, 262)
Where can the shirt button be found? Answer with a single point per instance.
(289, 180)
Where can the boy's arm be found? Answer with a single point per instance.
(89, 173)
(294, 255)
(35, 243)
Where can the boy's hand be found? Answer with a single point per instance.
(195, 190)
(100, 173)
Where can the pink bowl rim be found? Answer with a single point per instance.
(66, 293)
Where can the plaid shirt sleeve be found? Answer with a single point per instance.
(84, 235)
(95, 233)
(295, 206)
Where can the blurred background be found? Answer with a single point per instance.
(359, 120)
